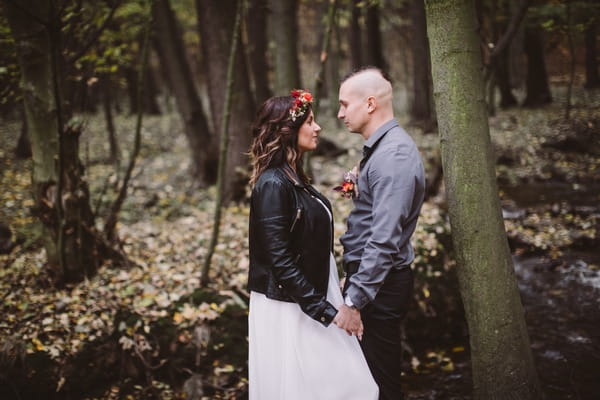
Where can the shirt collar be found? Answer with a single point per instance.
(379, 133)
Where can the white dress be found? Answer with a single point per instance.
(294, 357)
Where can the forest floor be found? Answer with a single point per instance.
(149, 331)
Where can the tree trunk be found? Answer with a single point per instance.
(356, 45)
(325, 45)
(169, 45)
(507, 99)
(115, 154)
(538, 90)
(61, 195)
(374, 43)
(130, 78)
(23, 149)
(500, 64)
(572, 61)
(422, 102)
(224, 142)
(149, 102)
(215, 21)
(257, 49)
(151, 91)
(501, 356)
(112, 218)
(592, 79)
(285, 31)
(333, 73)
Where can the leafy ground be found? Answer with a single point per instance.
(149, 331)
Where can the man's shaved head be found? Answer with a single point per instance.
(369, 81)
(365, 99)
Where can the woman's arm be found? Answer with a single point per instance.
(273, 208)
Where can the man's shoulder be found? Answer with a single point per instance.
(396, 142)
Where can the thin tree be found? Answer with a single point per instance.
(356, 45)
(501, 356)
(422, 103)
(115, 154)
(224, 144)
(592, 78)
(572, 60)
(111, 220)
(23, 148)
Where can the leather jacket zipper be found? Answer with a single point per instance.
(296, 219)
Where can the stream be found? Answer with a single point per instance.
(561, 298)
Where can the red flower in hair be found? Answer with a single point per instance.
(302, 99)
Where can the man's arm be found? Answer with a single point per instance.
(392, 177)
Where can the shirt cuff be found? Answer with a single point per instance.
(348, 301)
(357, 297)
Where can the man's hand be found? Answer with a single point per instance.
(349, 320)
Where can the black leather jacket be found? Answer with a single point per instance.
(291, 238)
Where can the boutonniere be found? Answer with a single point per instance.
(349, 185)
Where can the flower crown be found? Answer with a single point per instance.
(302, 98)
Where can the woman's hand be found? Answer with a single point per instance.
(348, 319)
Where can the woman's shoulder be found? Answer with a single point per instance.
(271, 177)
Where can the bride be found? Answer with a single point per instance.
(295, 351)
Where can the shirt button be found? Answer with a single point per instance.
(322, 319)
(279, 286)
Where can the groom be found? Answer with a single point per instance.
(377, 249)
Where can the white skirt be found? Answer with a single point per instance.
(292, 356)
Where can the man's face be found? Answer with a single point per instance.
(353, 108)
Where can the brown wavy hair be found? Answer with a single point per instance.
(275, 138)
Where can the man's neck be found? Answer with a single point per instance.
(375, 124)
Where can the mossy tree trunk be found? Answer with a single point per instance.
(61, 195)
(501, 357)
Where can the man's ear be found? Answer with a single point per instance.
(371, 104)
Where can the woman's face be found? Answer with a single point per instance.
(308, 135)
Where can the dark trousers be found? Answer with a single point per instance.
(381, 342)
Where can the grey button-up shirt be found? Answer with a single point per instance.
(391, 188)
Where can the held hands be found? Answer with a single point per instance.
(349, 320)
